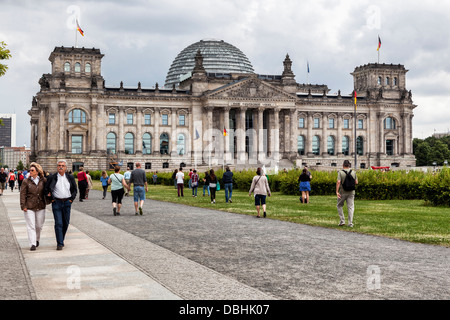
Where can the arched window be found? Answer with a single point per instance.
(181, 144)
(379, 81)
(67, 67)
(77, 67)
(111, 143)
(129, 143)
(87, 68)
(388, 81)
(77, 116)
(346, 145)
(389, 123)
(146, 143)
(330, 145)
(316, 145)
(164, 143)
(360, 146)
(301, 145)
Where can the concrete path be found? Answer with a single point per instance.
(178, 252)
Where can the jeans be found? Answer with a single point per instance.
(228, 191)
(180, 186)
(61, 214)
(194, 190)
(207, 188)
(105, 189)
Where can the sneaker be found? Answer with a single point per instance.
(140, 211)
(37, 244)
(264, 214)
(351, 225)
(59, 248)
(214, 201)
(341, 224)
(230, 201)
(33, 248)
(114, 211)
(136, 214)
(118, 213)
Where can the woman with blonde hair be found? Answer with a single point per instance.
(33, 203)
(104, 180)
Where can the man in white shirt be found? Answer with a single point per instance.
(61, 188)
(180, 181)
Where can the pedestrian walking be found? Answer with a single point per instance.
(190, 178)
(11, 180)
(104, 179)
(61, 189)
(206, 183)
(174, 177)
(212, 182)
(139, 181)
(345, 191)
(82, 183)
(20, 178)
(3, 179)
(180, 182)
(33, 203)
(118, 183)
(227, 180)
(155, 178)
(260, 189)
(305, 186)
(90, 183)
(127, 176)
(194, 183)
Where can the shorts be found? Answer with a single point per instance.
(117, 195)
(138, 193)
(2, 185)
(305, 186)
(260, 199)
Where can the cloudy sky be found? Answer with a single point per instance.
(141, 38)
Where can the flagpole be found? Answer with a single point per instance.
(356, 139)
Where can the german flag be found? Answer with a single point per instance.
(79, 29)
(355, 99)
(379, 43)
(225, 133)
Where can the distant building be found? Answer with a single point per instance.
(441, 135)
(11, 156)
(215, 110)
(8, 130)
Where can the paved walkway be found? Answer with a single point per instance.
(178, 252)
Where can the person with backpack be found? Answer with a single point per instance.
(345, 191)
(194, 183)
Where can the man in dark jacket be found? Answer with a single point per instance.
(227, 180)
(61, 188)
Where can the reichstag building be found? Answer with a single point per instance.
(215, 110)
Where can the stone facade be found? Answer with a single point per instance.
(268, 119)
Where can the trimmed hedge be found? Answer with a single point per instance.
(373, 185)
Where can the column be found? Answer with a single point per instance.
(260, 135)
(157, 143)
(33, 137)
(339, 135)
(42, 145)
(101, 128)
(139, 133)
(381, 148)
(173, 136)
(309, 137)
(121, 137)
(294, 134)
(93, 128)
(241, 135)
(62, 125)
(226, 124)
(276, 135)
(324, 139)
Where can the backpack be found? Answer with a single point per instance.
(349, 183)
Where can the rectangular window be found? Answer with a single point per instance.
(129, 118)
(316, 123)
(77, 144)
(112, 118)
(360, 124)
(331, 123)
(147, 119)
(346, 124)
(390, 147)
(301, 122)
(182, 120)
(148, 165)
(165, 120)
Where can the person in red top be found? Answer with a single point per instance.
(11, 180)
(82, 183)
(190, 178)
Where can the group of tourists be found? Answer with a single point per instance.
(9, 178)
(39, 189)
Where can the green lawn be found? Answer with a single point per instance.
(409, 220)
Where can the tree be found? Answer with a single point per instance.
(4, 55)
(20, 166)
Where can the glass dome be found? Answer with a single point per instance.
(218, 57)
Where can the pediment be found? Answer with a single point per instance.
(250, 88)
